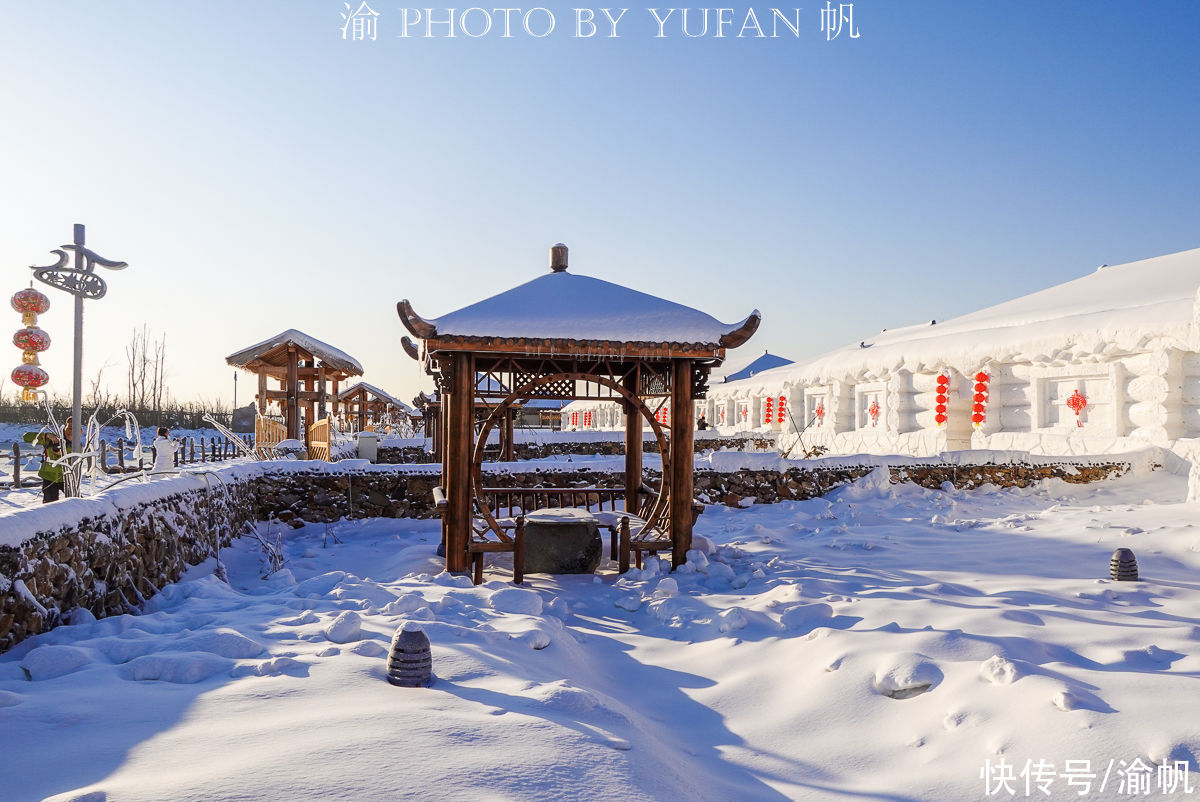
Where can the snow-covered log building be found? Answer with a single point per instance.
(1108, 362)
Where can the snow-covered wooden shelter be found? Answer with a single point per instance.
(365, 405)
(308, 372)
(566, 336)
(1105, 363)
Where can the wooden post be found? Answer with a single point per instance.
(192, 449)
(519, 551)
(510, 447)
(336, 403)
(360, 406)
(683, 412)
(459, 440)
(321, 387)
(633, 451)
(291, 388)
(121, 454)
(103, 456)
(16, 466)
(262, 394)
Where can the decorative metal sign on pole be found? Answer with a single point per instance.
(82, 282)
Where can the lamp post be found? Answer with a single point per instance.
(82, 282)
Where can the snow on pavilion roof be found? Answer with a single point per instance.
(568, 306)
(380, 394)
(274, 351)
(1115, 310)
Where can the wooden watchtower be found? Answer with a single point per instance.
(567, 336)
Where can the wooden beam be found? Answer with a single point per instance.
(546, 348)
(683, 413)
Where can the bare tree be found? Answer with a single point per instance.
(146, 361)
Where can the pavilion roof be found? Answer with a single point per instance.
(272, 353)
(375, 391)
(569, 309)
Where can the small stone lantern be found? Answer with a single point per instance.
(1123, 567)
(410, 664)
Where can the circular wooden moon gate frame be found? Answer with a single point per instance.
(661, 504)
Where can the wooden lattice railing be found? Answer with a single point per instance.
(320, 443)
(268, 434)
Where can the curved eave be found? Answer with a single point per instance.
(410, 348)
(743, 332)
(418, 326)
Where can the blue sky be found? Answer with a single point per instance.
(259, 173)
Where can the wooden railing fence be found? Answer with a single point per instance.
(320, 440)
(118, 457)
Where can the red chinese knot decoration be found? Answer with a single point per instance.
(1077, 403)
(31, 340)
(942, 398)
(873, 411)
(820, 412)
(980, 399)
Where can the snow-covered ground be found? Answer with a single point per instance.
(886, 642)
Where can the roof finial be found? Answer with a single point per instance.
(558, 258)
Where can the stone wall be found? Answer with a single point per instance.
(111, 561)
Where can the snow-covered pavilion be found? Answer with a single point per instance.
(305, 369)
(365, 404)
(565, 336)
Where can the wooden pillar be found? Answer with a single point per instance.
(633, 450)
(262, 394)
(683, 413)
(360, 400)
(459, 438)
(290, 388)
(336, 403)
(439, 432)
(321, 391)
(510, 448)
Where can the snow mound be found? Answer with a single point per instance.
(347, 627)
(404, 604)
(516, 600)
(48, 662)
(731, 619)
(802, 617)
(274, 667)
(535, 639)
(999, 671)
(8, 699)
(182, 668)
(369, 648)
(122, 650)
(905, 675)
(222, 642)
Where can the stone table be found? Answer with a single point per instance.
(562, 540)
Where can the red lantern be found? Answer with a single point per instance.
(767, 414)
(30, 300)
(940, 418)
(29, 376)
(31, 339)
(980, 398)
(1077, 403)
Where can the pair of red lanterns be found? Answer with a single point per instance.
(978, 400)
(32, 341)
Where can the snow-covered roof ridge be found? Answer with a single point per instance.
(1117, 309)
(334, 357)
(569, 306)
(375, 391)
